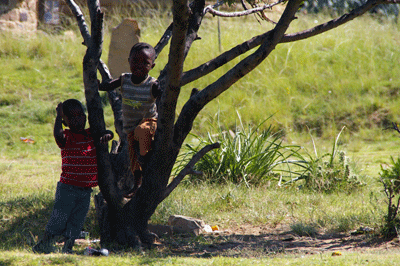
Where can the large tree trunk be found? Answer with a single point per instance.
(125, 222)
(111, 167)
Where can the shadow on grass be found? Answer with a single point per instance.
(269, 244)
(23, 221)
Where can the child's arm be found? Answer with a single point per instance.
(108, 135)
(58, 129)
(156, 89)
(103, 137)
(109, 85)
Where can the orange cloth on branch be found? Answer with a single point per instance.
(144, 135)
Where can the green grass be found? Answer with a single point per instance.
(22, 258)
(40, 70)
(346, 77)
(345, 259)
(225, 205)
(247, 155)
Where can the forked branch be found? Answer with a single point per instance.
(210, 66)
(96, 117)
(210, 9)
(394, 126)
(115, 100)
(188, 169)
(333, 23)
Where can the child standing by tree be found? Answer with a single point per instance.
(139, 111)
(79, 175)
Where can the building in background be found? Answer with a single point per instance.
(18, 15)
(49, 11)
(28, 14)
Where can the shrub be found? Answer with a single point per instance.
(255, 157)
(328, 172)
(390, 178)
(246, 155)
(341, 6)
(301, 229)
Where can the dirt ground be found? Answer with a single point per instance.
(259, 241)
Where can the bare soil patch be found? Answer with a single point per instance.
(259, 241)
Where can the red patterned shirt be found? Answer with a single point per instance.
(79, 163)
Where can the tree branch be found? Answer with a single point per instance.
(81, 21)
(164, 40)
(168, 34)
(168, 101)
(394, 126)
(385, 186)
(95, 112)
(186, 117)
(194, 21)
(114, 97)
(210, 66)
(212, 11)
(222, 59)
(333, 23)
(196, 15)
(200, 99)
(243, 5)
(96, 41)
(269, 42)
(397, 208)
(188, 169)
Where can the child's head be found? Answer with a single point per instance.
(141, 60)
(74, 115)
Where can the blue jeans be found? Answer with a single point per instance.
(70, 209)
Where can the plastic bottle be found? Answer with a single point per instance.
(89, 251)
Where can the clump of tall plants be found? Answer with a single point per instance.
(247, 155)
(252, 156)
(329, 172)
(341, 6)
(390, 178)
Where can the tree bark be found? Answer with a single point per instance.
(126, 222)
(112, 219)
(122, 222)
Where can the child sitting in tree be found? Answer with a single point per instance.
(139, 111)
(79, 175)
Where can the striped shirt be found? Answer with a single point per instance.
(79, 163)
(138, 101)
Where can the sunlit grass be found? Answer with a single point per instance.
(22, 258)
(28, 188)
(348, 76)
(303, 82)
(300, 83)
(228, 206)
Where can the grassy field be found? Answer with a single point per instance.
(346, 77)
(21, 258)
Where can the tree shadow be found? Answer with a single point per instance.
(269, 244)
(23, 221)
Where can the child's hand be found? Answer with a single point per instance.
(59, 109)
(105, 138)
